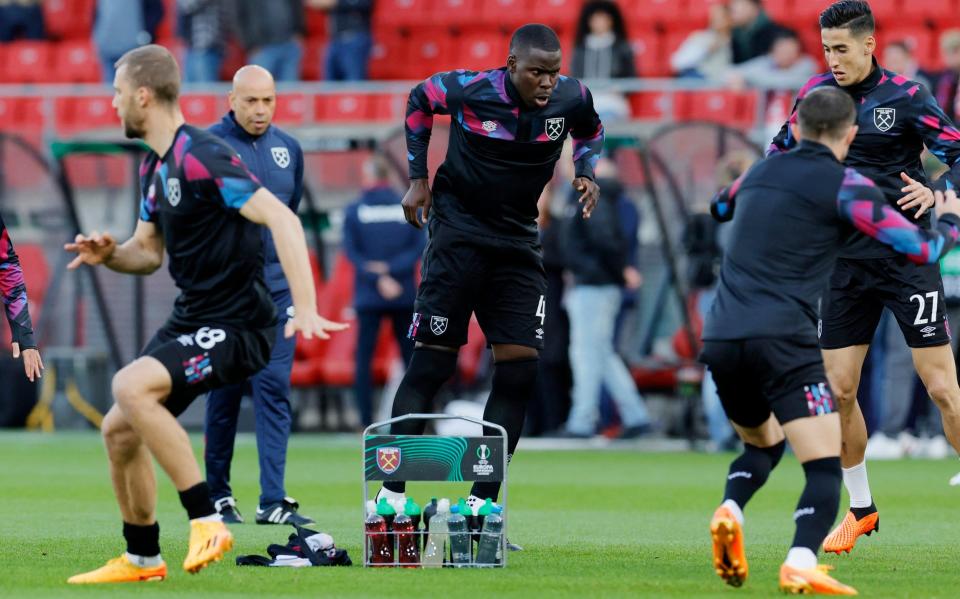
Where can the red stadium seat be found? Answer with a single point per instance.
(390, 108)
(312, 64)
(930, 10)
(292, 109)
(480, 51)
(506, 14)
(202, 110)
(725, 107)
(316, 23)
(698, 12)
(471, 354)
(431, 51)
(559, 14)
(76, 61)
(458, 14)
(652, 106)
(68, 19)
(168, 25)
(340, 108)
(233, 58)
(648, 55)
(31, 115)
(643, 13)
(391, 14)
(388, 57)
(83, 113)
(28, 61)
(671, 43)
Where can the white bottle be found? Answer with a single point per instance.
(436, 547)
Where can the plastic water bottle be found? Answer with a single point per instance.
(480, 514)
(387, 511)
(408, 547)
(413, 510)
(459, 538)
(489, 550)
(435, 548)
(429, 511)
(378, 541)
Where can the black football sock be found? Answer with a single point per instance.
(142, 540)
(750, 471)
(429, 369)
(861, 512)
(819, 502)
(514, 383)
(196, 500)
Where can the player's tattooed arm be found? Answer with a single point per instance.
(142, 254)
(860, 203)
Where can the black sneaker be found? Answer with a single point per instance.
(283, 512)
(227, 508)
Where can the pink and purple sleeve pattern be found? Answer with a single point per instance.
(940, 135)
(14, 292)
(426, 99)
(722, 205)
(587, 133)
(863, 205)
(784, 140)
(218, 164)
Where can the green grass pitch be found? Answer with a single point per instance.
(594, 524)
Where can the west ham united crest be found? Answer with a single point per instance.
(173, 191)
(388, 459)
(281, 156)
(884, 118)
(438, 324)
(554, 127)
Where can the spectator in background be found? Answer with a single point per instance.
(601, 51)
(784, 67)
(898, 57)
(202, 26)
(596, 250)
(706, 54)
(122, 25)
(948, 82)
(271, 33)
(753, 31)
(21, 19)
(384, 250)
(348, 26)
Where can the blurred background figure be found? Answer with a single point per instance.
(948, 81)
(122, 25)
(898, 57)
(384, 250)
(348, 51)
(271, 33)
(707, 53)
(21, 19)
(201, 24)
(753, 30)
(602, 51)
(596, 254)
(784, 67)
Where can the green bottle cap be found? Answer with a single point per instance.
(411, 508)
(462, 503)
(486, 509)
(385, 509)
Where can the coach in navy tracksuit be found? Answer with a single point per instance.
(384, 251)
(276, 159)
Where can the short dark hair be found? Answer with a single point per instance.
(786, 34)
(534, 36)
(600, 6)
(903, 45)
(826, 111)
(154, 68)
(854, 15)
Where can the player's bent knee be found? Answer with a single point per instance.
(944, 393)
(141, 382)
(118, 436)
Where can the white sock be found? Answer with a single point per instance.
(145, 561)
(855, 480)
(392, 496)
(801, 558)
(733, 507)
(214, 517)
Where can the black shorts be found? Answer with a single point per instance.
(202, 359)
(755, 377)
(501, 280)
(859, 291)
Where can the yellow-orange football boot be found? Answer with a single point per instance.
(814, 581)
(729, 558)
(844, 536)
(208, 542)
(120, 569)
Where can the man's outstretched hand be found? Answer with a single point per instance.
(311, 325)
(32, 364)
(93, 249)
(589, 194)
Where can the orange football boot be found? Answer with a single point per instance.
(844, 536)
(208, 542)
(120, 569)
(729, 558)
(814, 581)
